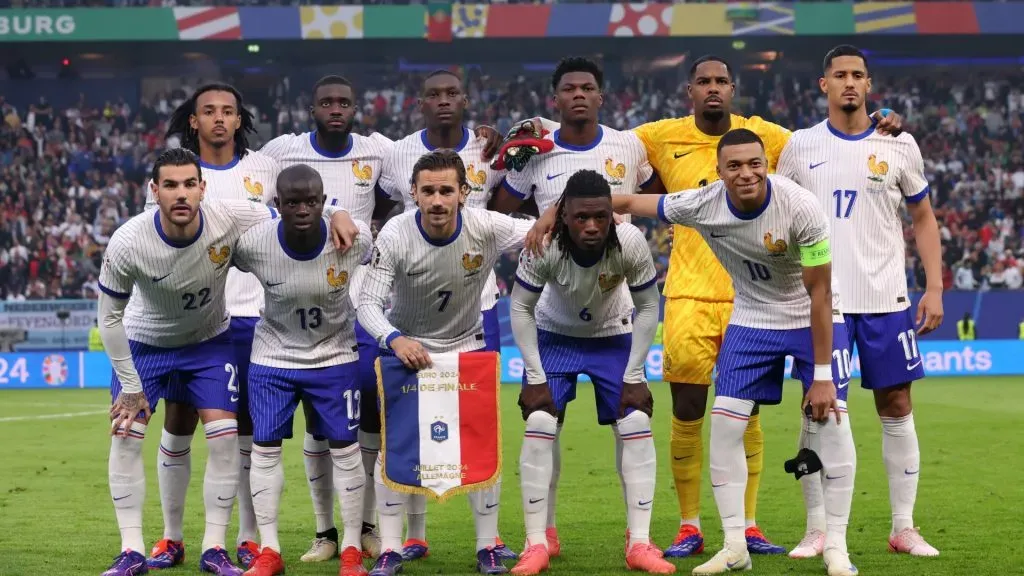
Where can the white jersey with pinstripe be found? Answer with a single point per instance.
(760, 249)
(396, 176)
(861, 181)
(308, 318)
(587, 301)
(254, 178)
(350, 176)
(176, 290)
(434, 285)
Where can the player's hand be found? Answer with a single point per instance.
(124, 410)
(411, 353)
(929, 311)
(539, 236)
(637, 397)
(343, 231)
(493, 141)
(820, 400)
(889, 122)
(536, 398)
(524, 140)
(617, 218)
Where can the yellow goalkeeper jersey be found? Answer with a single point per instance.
(685, 158)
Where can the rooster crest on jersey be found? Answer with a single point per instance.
(774, 247)
(336, 279)
(609, 281)
(254, 189)
(476, 178)
(363, 173)
(219, 256)
(472, 262)
(878, 169)
(614, 171)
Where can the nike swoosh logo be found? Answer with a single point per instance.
(642, 503)
(843, 384)
(914, 365)
(272, 284)
(752, 455)
(225, 499)
(713, 235)
(390, 504)
(679, 155)
(535, 500)
(813, 166)
(681, 457)
(255, 494)
(489, 506)
(416, 273)
(121, 498)
(155, 279)
(353, 426)
(834, 477)
(909, 473)
(318, 477)
(713, 485)
(553, 176)
(354, 489)
(168, 465)
(245, 467)
(732, 565)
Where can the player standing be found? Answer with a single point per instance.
(430, 264)
(570, 317)
(443, 104)
(581, 143)
(214, 125)
(773, 240)
(305, 348)
(861, 178)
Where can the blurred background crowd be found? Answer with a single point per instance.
(69, 176)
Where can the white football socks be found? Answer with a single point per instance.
(349, 484)
(316, 455)
(417, 515)
(902, 457)
(127, 478)
(814, 499)
(729, 418)
(638, 470)
(556, 474)
(391, 510)
(839, 468)
(536, 475)
(247, 530)
(267, 482)
(485, 515)
(220, 484)
(369, 445)
(173, 471)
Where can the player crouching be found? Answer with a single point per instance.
(584, 325)
(304, 349)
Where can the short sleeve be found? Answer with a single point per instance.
(638, 263)
(520, 184)
(913, 184)
(116, 278)
(509, 233)
(364, 242)
(247, 214)
(276, 147)
(810, 226)
(788, 165)
(681, 208)
(389, 181)
(532, 272)
(644, 171)
(241, 258)
(775, 138)
(270, 188)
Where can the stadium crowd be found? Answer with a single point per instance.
(71, 176)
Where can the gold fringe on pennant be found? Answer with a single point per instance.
(458, 490)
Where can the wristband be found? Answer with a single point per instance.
(823, 372)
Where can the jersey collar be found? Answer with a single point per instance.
(851, 137)
(177, 243)
(750, 215)
(228, 166)
(575, 148)
(325, 153)
(302, 256)
(458, 148)
(446, 241)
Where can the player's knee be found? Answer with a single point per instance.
(893, 402)
(541, 421)
(689, 401)
(635, 421)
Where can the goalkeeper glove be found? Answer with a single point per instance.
(523, 142)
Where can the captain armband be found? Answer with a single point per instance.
(816, 254)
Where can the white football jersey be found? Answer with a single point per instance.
(618, 156)
(434, 286)
(254, 178)
(760, 250)
(350, 177)
(589, 301)
(861, 181)
(396, 181)
(308, 319)
(177, 290)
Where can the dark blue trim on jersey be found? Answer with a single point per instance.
(302, 256)
(273, 213)
(462, 143)
(919, 196)
(391, 338)
(750, 215)
(850, 137)
(528, 286)
(325, 153)
(661, 209)
(178, 243)
(645, 285)
(228, 166)
(575, 148)
(446, 241)
(512, 189)
(113, 293)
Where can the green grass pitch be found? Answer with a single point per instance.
(56, 515)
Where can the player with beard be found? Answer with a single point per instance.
(443, 104)
(214, 125)
(350, 165)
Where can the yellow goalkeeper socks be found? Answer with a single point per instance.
(687, 463)
(753, 445)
